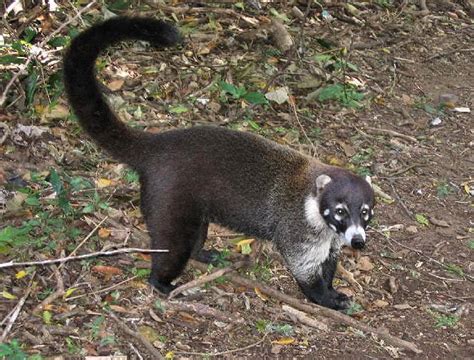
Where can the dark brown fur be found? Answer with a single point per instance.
(191, 177)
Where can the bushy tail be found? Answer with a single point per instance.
(82, 88)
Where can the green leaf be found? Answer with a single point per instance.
(323, 58)
(32, 200)
(10, 59)
(471, 244)
(421, 219)
(55, 181)
(29, 34)
(331, 92)
(47, 316)
(246, 249)
(179, 109)
(255, 98)
(59, 41)
(236, 92)
(31, 86)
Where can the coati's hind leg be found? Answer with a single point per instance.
(202, 255)
(176, 232)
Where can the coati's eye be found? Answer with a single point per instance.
(365, 212)
(340, 212)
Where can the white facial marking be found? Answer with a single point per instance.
(326, 212)
(332, 227)
(366, 208)
(372, 212)
(311, 211)
(351, 231)
(338, 217)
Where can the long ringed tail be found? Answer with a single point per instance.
(82, 89)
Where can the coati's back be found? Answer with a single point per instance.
(233, 177)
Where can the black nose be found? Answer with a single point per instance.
(358, 242)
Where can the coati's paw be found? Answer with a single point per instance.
(163, 287)
(341, 301)
(329, 298)
(208, 256)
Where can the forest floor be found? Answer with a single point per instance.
(382, 89)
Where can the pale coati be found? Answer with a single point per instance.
(191, 177)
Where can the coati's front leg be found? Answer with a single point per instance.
(315, 279)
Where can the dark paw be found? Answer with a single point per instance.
(213, 257)
(163, 287)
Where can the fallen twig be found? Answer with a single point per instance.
(317, 310)
(446, 53)
(304, 319)
(79, 257)
(203, 310)
(223, 352)
(151, 349)
(393, 133)
(206, 278)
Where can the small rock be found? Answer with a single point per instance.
(276, 349)
(392, 285)
(470, 342)
(412, 229)
(436, 121)
(440, 223)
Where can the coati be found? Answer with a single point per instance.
(190, 177)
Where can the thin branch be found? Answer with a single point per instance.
(79, 257)
(206, 278)
(393, 133)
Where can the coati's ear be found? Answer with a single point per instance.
(369, 180)
(321, 182)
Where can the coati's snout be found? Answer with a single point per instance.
(346, 205)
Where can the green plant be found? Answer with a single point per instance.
(443, 321)
(265, 326)
(238, 93)
(471, 244)
(12, 351)
(346, 94)
(443, 189)
(354, 308)
(454, 269)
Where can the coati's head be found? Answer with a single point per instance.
(345, 203)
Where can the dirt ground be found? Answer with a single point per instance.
(412, 133)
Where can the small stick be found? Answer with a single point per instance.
(100, 291)
(400, 201)
(393, 133)
(79, 257)
(203, 310)
(223, 352)
(304, 318)
(206, 278)
(151, 349)
(315, 309)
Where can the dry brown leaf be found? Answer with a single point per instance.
(364, 264)
(380, 303)
(106, 270)
(103, 233)
(261, 295)
(115, 85)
